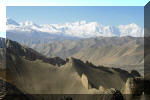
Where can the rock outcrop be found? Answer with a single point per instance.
(85, 81)
(112, 94)
(134, 86)
(101, 89)
(135, 73)
(29, 67)
(137, 87)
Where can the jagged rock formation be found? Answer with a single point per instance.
(138, 88)
(85, 81)
(134, 86)
(27, 68)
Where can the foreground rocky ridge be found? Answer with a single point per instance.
(26, 58)
(31, 74)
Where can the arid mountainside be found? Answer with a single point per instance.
(123, 52)
(33, 73)
(100, 50)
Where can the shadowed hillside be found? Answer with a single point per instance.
(122, 52)
(28, 68)
(33, 73)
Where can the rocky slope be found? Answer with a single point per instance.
(130, 50)
(30, 54)
(122, 52)
(28, 68)
(34, 73)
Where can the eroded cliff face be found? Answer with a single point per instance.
(134, 86)
(28, 68)
(137, 87)
(85, 81)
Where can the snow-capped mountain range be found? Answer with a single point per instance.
(81, 29)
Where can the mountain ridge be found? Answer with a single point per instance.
(98, 48)
(26, 73)
(80, 29)
(30, 54)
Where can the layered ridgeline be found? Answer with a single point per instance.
(121, 46)
(122, 52)
(33, 73)
(79, 29)
(29, 72)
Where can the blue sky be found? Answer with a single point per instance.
(106, 15)
(101, 16)
(81, 2)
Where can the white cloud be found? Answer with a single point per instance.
(79, 29)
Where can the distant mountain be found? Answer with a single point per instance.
(10, 21)
(80, 29)
(36, 37)
(109, 51)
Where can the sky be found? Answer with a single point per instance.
(78, 2)
(4, 3)
(105, 15)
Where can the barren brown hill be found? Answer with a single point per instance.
(32, 74)
(108, 51)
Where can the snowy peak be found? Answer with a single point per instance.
(28, 23)
(80, 29)
(129, 29)
(10, 21)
